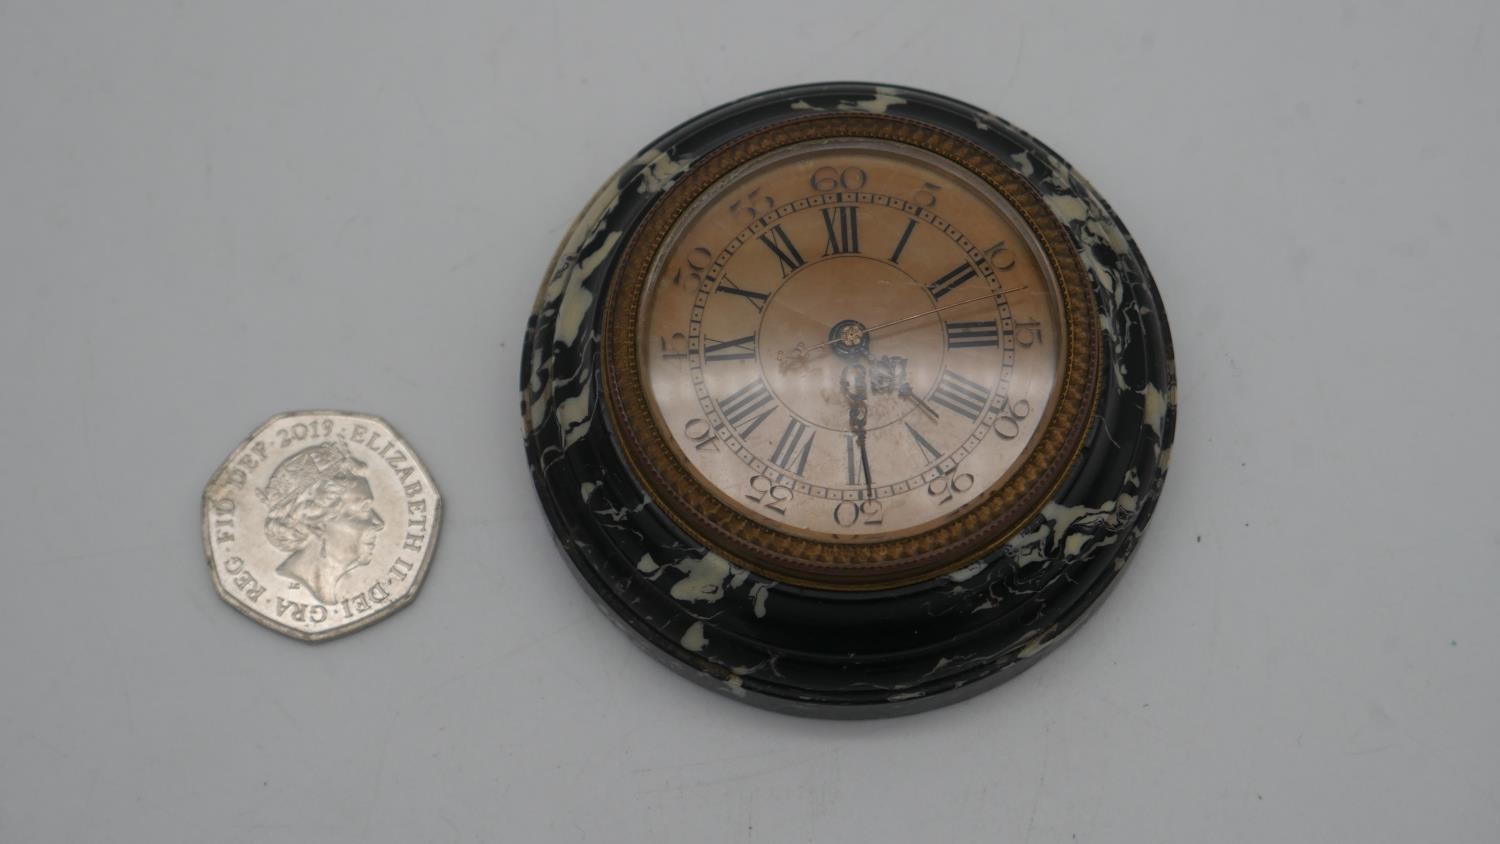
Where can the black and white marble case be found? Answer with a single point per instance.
(833, 653)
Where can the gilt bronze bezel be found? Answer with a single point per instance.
(862, 566)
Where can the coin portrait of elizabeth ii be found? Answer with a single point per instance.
(322, 513)
(321, 523)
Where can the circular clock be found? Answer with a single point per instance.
(848, 400)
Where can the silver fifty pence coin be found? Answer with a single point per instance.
(320, 523)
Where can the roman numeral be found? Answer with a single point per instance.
(951, 280)
(740, 348)
(756, 299)
(740, 406)
(968, 335)
(851, 458)
(927, 448)
(781, 246)
(960, 395)
(787, 448)
(842, 224)
(901, 244)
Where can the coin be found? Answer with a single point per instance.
(320, 523)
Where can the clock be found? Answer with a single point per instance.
(848, 400)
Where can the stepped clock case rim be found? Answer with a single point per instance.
(818, 651)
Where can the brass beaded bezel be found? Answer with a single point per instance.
(694, 508)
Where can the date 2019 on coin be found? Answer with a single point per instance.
(320, 523)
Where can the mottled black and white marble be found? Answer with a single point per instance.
(845, 654)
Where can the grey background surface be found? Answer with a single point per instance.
(213, 212)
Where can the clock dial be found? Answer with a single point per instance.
(847, 399)
(851, 341)
(840, 352)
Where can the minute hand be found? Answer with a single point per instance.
(872, 329)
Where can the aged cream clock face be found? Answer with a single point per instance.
(850, 340)
(841, 352)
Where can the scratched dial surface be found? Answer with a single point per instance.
(851, 340)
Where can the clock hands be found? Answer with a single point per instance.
(863, 372)
(853, 335)
(909, 317)
(905, 392)
(864, 453)
(890, 373)
(852, 382)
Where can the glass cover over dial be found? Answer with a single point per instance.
(848, 400)
(850, 340)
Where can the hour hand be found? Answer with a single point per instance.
(864, 458)
(905, 392)
(858, 414)
(853, 384)
(894, 367)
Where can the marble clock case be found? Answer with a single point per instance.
(838, 653)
